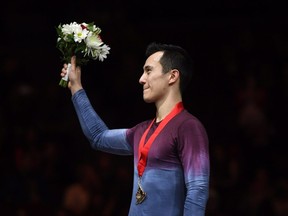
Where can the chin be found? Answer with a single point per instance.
(147, 100)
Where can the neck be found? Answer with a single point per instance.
(165, 108)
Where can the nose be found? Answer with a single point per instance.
(142, 79)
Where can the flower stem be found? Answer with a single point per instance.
(63, 83)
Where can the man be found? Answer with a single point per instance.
(171, 155)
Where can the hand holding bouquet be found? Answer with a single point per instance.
(82, 40)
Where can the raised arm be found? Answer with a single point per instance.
(100, 137)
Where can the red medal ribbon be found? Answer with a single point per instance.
(144, 148)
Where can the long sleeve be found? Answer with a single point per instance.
(194, 154)
(196, 198)
(99, 135)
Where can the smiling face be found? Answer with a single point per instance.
(155, 82)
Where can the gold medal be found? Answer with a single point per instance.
(140, 195)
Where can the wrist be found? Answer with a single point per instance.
(75, 88)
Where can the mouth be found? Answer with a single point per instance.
(145, 89)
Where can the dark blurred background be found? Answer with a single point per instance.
(239, 92)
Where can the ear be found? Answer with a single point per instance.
(174, 76)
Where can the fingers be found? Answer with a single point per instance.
(65, 66)
(72, 69)
(63, 71)
(73, 63)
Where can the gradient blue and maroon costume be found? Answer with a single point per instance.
(176, 178)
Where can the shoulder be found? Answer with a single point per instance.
(188, 121)
(140, 126)
(186, 117)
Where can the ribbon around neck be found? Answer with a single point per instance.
(145, 147)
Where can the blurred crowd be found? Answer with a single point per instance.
(239, 92)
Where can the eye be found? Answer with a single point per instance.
(147, 70)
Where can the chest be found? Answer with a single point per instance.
(163, 150)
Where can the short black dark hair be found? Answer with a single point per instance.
(174, 57)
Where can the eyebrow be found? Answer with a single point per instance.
(147, 67)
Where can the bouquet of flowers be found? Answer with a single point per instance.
(82, 40)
